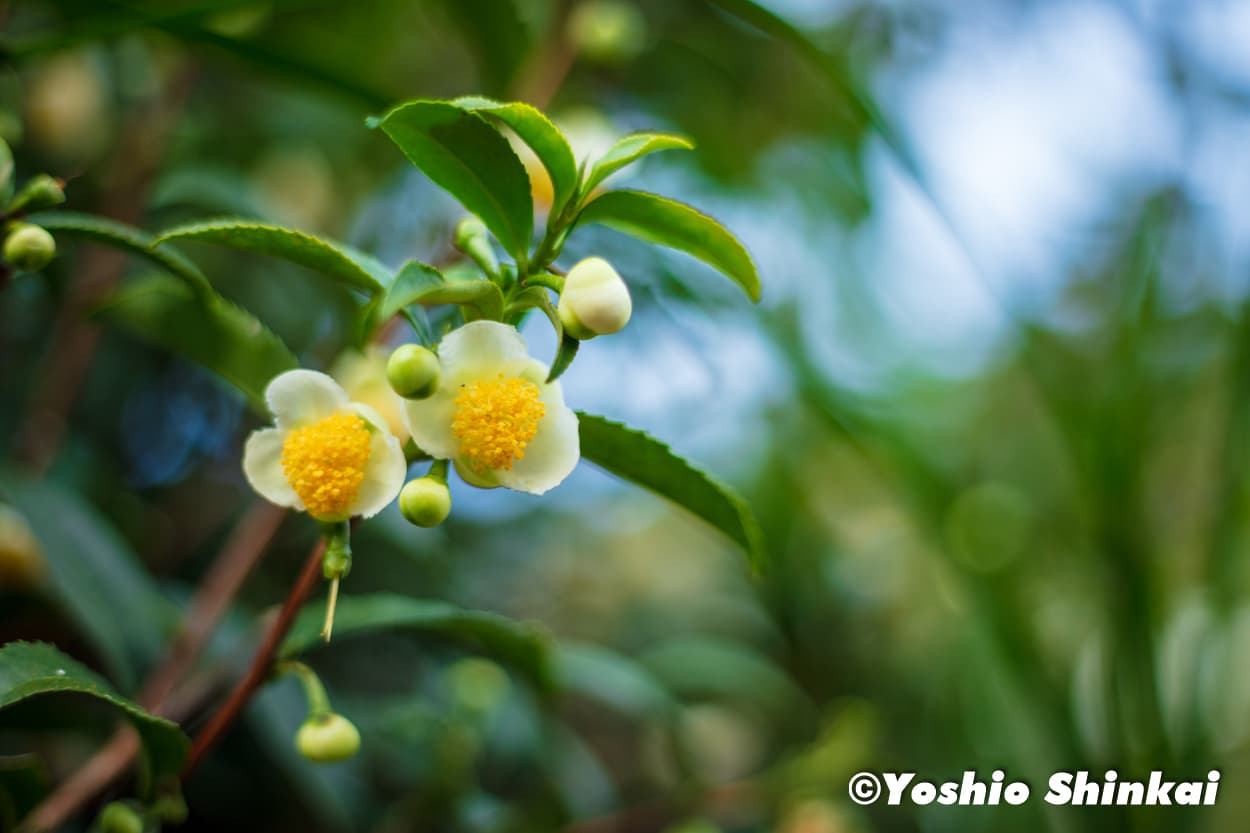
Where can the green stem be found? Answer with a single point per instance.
(318, 701)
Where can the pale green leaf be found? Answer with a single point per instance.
(628, 150)
(420, 283)
(335, 260)
(207, 329)
(472, 161)
(647, 462)
(670, 223)
(32, 669)
(543, 137)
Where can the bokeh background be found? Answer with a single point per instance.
(993, 411)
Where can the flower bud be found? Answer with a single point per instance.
(29, 248)
(119, 818)
(413, 371)
(425, 501)
(21, 560)
(607, 31)
(472, 238)
(327, 738)
(594, 301)
(38, 193)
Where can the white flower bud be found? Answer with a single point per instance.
(595, 301)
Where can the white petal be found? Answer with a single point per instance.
(480, 343)
(298, 397)
(429, 421)
(384, 475)
(553, 453)
(262, 464)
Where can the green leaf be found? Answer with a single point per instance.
(613, 679)
(336, 260)
(522, 645)
(89, 569)
(208, 330)
(647, 462)
(670, 223)
(496, 31)
(630, 149)
(124, 237)
(420, 283)
(564, 356)
(543, 137)
(23, 784)
(31, 669)
(6, 173)
(471, 160)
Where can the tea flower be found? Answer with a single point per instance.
(326, 455)
(494, 414)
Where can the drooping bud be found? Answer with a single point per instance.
(472, 238)
(38, 193)
(594, 301)
(413, 371)
(426, 501)
(118, 817)
(29, 247)
(327, 738)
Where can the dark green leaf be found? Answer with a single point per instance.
(494, 30)
(419, 283)
(564, 356)
(90, 568)
(472, 161)
(638, 458)
(30, 669)
(628, 150)
(517, 643)
(124, 237)
(336, 260)
(23, 784)
(206, 329)
(543, 137)
(670, 223)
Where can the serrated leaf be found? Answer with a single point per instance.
(471, 160)
(647, 462)
(670, 223)
(124, 237)
(564, 356)
(207, 329)
(628, 150)
(335, 260)
(89, 568)
(543, 137)
(516, 643)
(420, 283)
(32, 669)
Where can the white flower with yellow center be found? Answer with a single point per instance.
(494, 414)
(326, 455)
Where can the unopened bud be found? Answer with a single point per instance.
(413, 371)
(607, 31)
(425, 501)
(327, 738)
(472, 238)
(119, 818)
(21, 560)
(594, 301)
(38, 193)
(29, 247)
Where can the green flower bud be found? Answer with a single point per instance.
(29, 248)
(413, 371)
(607, 31)
(21, 559)
(38, 193)
(594, 301)
(119, 818)
(425, 501)
(472, 238)
(327, 738)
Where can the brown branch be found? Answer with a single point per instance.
(260, 668)
(239, 555)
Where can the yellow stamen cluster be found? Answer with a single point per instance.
(325, 463)
(495, 419)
